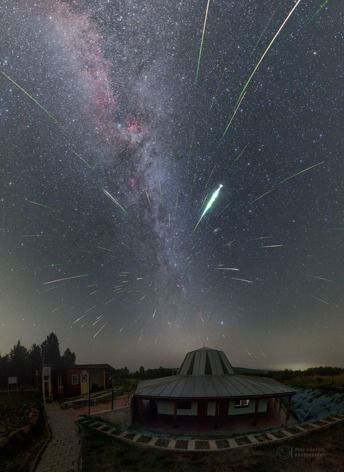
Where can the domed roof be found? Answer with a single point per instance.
(205, 361)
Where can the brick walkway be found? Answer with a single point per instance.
(62, 452)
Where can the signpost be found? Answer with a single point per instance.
(12, 381)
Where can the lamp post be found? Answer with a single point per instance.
(43, 387)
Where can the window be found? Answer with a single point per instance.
(242, 403)
(59, 381)
(75, 379)
(183, 405)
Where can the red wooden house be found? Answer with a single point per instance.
(79, 379)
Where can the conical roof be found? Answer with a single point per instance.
(205, 361)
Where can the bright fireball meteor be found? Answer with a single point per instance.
(210, 203)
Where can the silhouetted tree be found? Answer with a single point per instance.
(34, 362)
(51, 350)
(18, 362)
(68, 359)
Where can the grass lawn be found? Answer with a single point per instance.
(18, 398)
(321, 451)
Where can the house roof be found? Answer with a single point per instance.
(215, 386)
(207, 373)
(94, 366)
(205, 361)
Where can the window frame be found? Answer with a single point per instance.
(240, 403)
(75, 376)
(180, 405)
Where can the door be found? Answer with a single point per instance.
(84, 384)
(202, 408)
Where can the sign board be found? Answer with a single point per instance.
(12, 380)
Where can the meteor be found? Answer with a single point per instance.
(320, 300)
(25, 92)
(114, 200)
(202, 41)
(301, 172)
(319, 277)
(228, 269)
(65, 279)
(210, 203)
(243, 280)
(247, 83)
(100, 330)
(323, 5)
(263, 32)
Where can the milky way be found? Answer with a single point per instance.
(98, 207)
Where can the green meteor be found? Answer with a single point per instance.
(210, 203)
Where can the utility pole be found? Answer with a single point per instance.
(43, 388)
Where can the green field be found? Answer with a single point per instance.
(316, 381)
(320, 451)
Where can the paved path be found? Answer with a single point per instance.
(62, 452)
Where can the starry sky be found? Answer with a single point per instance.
(111, 149)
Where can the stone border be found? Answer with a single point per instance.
(45, 443)
(253, 439)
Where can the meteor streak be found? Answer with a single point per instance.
(272, 246)
(37, 203)
(241, 98)
(242, 280)
(247, 83)
(320, 300)
(263, 32)
(228, 269)
(65, 279)
(202, 41)
(114, 200)
(100, 330)
(323, 5)
(263, 195)
(301, 172)
(209, 205)
(35, 101)
(319, 277)
(241, 153)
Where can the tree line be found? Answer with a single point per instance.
(26, 364)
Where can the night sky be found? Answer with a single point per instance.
(110, 151)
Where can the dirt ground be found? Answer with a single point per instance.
(320, 451)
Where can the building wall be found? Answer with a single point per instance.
(167, 408)
(232, 410)
(211, 410)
